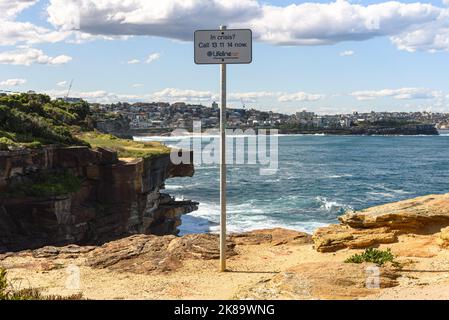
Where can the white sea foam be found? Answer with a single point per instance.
(337, 176)
(383, 194)
(242, 217)
(332, 206)
(172, 187)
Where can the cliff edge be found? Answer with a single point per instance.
(62, 195)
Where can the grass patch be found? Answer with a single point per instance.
(125, 148)
(8, 293)
(47, 185)
(379, 257)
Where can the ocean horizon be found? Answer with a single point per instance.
(319, 178)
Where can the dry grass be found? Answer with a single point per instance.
(125, 148)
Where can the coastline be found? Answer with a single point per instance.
(407, 130)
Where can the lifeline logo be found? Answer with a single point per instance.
(222, 54)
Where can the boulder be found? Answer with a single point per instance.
(413, 215)
(336, 237)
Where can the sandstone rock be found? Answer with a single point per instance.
(428, 213)
(149, 253)
(276, 236)
(322, 280)
(443, 239)
(68, 252)
(382, 224)
(336, 237)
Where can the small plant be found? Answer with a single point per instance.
(379, 257)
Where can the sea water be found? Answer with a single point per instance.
(319, 178)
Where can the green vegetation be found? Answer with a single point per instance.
(379, 257)
(46, 185)
(394, 123)
(32, 120)
(26, 294)
(125, 148)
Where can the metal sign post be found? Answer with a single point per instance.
(223, 166)
(224, 46)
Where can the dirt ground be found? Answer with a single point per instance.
(258, 271)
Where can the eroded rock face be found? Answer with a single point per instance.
(116, 198)
(318, 280)
(382, 224)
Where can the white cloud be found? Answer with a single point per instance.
(173, 94)
(446, 2)
(411, 26)
(27, 56)
(12, 82)
(174, 19)
(251, 97)
(328, 23)
(99, 96)
(10, 8)
(133, 61)
(13, 32)
(399, 94)
(300, 96)
(431, 37)
(62, 84)
(347, 53)
(137, 85)
(153, 57)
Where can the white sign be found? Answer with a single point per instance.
(229, 46)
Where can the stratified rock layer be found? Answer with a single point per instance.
(382, 224)
(414, 215)
(116, 198)
(336, 237)
(148, 253)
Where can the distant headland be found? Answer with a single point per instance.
(161, 118)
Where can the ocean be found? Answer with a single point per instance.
(319, 178)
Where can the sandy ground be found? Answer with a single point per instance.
(425, 274)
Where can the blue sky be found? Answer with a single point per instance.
(397, 65)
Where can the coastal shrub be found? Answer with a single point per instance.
(379, 257)
(31, 118)
(7, 293)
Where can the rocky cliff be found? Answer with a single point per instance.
(111, 197)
